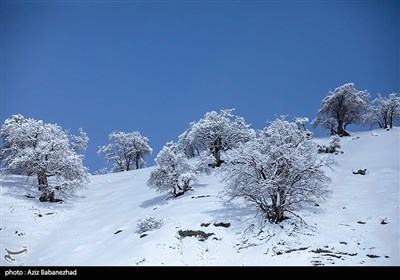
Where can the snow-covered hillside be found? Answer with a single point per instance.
(357, 225)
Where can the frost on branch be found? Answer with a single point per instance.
(172, 171)
(34, 148)
(278, 172)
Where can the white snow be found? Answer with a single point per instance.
(345, 230)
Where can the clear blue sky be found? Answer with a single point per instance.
(155, 66)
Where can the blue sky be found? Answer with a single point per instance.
(155, 66)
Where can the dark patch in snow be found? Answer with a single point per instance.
(141, 261)
(373, 256)
(201, 196)
(360, 171)
(28, 195)
(332, 255)
(201, 235)
(118, 231)
(317, 263)
(342, 242)
(143, 235)
(205, 224)
(222, 224)
(292, 250)
(319, 251)
(384, 221)
(361, 222)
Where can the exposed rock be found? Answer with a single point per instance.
(201, 235)
(222, 224)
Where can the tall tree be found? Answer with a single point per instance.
(345, 105)
(34, 148)
(126, 150)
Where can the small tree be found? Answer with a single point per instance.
(172, 172)
(79, 142)
(217, 132)
(278, 172)
(126, 150)
(384, 111)
(345, 105)
(33, 148)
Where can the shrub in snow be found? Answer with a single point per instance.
(333, 147)
(277, 172)
(216, 133)
(341, 107)
(34, 148)
(149, 223)
(126, 150)
(172, 172)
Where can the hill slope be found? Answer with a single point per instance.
(357, 225)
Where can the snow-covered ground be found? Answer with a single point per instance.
(357, 225)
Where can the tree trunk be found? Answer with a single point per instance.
(43, 182)
(137, 162)
(341, 131)
(391, 121)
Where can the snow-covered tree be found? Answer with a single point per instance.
(172, 171)
(186, 145)
(278, 172)
(217, 132)
(126, 150)
(79, 142)
(343, 106)
(384, 111)
(34, 148)
(301, 124)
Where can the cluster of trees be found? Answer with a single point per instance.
(126, 151)
(209, 137)
(276, 169)
(346, 105)
(33, 148)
